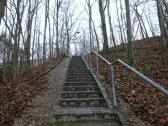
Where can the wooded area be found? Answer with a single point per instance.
(34, 33)
(22, 32)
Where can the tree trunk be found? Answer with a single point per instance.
(50, 39)
(90, 24)
(15, 54)
(2, 8)
(129, 34)
(45, 28)
(118, 18)
(103, 26)
(110, 24)
(97, 39)
(68, 38)
(57, 14)
(162, 25)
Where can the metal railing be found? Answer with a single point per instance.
(147, 79)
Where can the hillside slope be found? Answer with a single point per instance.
(17, 96)
(145, 102)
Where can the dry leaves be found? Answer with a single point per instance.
(145, 101)
(15, 97)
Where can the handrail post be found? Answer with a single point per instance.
(113, 86)
(97, 60)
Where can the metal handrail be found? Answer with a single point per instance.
(151, 82)
(102, 57)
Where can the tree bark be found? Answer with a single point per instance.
(2, 8)
(110, 24)
(103, 26)
(164, 42)
(129, 34)
(45, 28)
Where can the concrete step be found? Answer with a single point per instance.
(81, 88)
(78, 70)
(78, 79)
(84, 76)
(81, 65)
(76, 63)
(82, 116)
(94, 113)
(86, 123)
(80, 84)
(79, 74)
(82, 94)
(78, 67)
(83, 102)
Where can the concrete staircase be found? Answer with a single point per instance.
(82, 102)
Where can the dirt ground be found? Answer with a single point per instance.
(47, 104)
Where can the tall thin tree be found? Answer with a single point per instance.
(129, 34)
(103, 27)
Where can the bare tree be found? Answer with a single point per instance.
(97, 39)
(45, 28)
(58, 5)
(120, 22)
(90, 23)
(31, 12)
(70, 22)
(112, 38)
(129, 33)
(164, 43)
(103, 26)
(2, 8)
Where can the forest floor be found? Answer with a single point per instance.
(46, 104)
(17, 96)
(144, 101)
